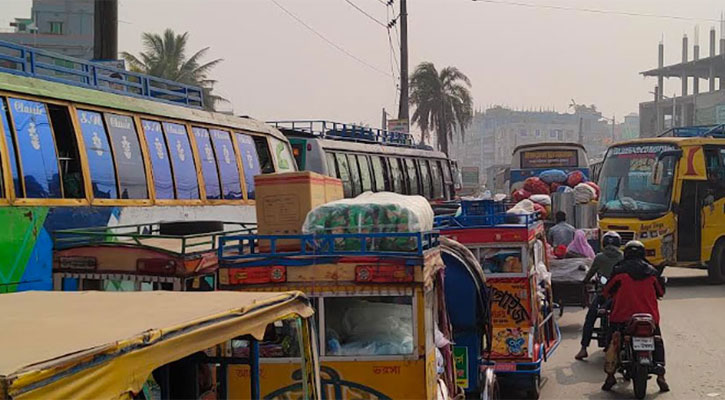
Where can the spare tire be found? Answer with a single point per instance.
(180, 228)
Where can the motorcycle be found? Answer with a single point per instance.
(637, 347)
(601, 324)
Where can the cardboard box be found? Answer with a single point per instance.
(284, 199)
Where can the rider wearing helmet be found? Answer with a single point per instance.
(603, 264)
(635, 287)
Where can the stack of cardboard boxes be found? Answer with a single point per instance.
(284, 199)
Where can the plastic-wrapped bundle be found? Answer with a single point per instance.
(520, 194)
(574, 178)
(553, 176)
(584, 193)
(372, 212)
(536, 186)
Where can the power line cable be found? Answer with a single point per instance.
(355, 6)
(328, 41)
(596, 11)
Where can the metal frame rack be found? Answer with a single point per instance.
(717, 131)
(342, 131)
(36, 63)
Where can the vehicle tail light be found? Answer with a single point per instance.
(257, 275)
(643, 329)
(383, 273)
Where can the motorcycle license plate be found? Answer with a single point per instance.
(643, 343)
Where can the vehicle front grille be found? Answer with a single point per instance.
(626, 236)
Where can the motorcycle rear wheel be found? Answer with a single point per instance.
(639, 381)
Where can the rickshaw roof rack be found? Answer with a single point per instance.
(497, 221)
(246, 248)
(350, 132)
(151, 236)
(107, 77)
(715, 131)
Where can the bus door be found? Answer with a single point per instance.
(689, 221)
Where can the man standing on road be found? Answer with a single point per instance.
(603, 265)
(562, 233)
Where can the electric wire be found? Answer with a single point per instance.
(328, 41)
(355, 6)
(595, 10)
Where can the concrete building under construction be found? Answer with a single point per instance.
(696, 104)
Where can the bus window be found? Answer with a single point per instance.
(378, 173)
(208, 163)
(448, 179)
(396, 175)
(285, 161)
(331, 168)
(425, 178)
(159, 156)
(127, 153)
(354, 174)
(437, 178)
(265, 158)
(344, 174)
(412, 172)
(68, 155)
(250, 161)
(365, 178)
(227, 164)
(182, 159)
(37, 149)
(98, 151)
(9, 139)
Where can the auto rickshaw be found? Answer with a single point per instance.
(381, 314)
(468, 301)
(142, 345)
(177, 256)
(511, 251)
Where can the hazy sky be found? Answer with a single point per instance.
(521, 57)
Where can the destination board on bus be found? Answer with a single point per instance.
(549, 158)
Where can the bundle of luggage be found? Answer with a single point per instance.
(381, 212)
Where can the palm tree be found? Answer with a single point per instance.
(164, 56)
(442, 102)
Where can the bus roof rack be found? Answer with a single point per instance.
(27, 61)
(341, 131)
(717, 131)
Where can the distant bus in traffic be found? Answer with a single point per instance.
(367, 159)
(531, 159)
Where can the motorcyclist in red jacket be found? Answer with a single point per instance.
(635, 287)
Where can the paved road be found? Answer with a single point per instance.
(693, 325)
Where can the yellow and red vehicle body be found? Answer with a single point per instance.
(343, 286)
(525, 332)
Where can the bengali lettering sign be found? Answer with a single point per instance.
(549, 158)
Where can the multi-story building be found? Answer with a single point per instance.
(692, 106)
(61, 26)
(495, 132)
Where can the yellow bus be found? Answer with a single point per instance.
(669, 193)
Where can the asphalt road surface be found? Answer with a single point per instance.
(693, 328)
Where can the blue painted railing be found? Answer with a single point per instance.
(338, 130)
(27, 61)
(696, 131)
(242, 247)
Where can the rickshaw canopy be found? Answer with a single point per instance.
(106, 344)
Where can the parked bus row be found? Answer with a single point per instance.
(368, 159)
(93, 146)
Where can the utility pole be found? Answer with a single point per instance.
(403, 106)
(105, 30)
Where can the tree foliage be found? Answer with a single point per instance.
(443, 102)
(164, 56)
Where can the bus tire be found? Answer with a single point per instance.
(716, 265)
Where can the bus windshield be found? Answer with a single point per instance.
(627, 184)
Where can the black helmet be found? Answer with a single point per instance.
(634, 249)
(611, 238)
